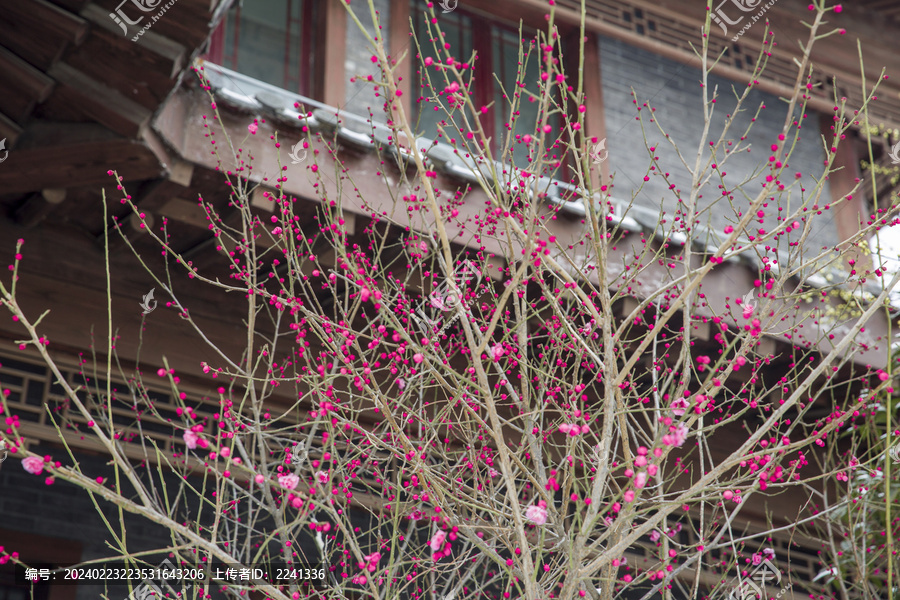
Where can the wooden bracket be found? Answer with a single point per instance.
(38, 206)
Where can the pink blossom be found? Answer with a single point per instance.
(372, 561)
(573, 429)
(681, 433)
(289, 481)
(679, 405)
(749, 305)
(537, 514)
(438, 301)
(677, 436)
(252, 128)
(437, 541)
(401, 383)
(322, 477)
(33, 465)
(654, 536)
(259, 479)
(190, 439)
(497, 351)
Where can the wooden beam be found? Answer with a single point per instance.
(28, 80)
(185, 22)
(99, 102)
(165, 56)
(44, 133)
(9, 131)
(44, 18)
(132, 227)
(178, 171)
(38, 51)
(23, 86)
(186, 212)
(71, 5)
(73, 165)
(153, 195)
(37, 207)
(258, 199)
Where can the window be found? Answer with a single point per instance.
(496, 46)
(273, 41)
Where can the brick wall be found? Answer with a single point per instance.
(61, 510)
(674, 89)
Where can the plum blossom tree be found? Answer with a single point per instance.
(549, 417)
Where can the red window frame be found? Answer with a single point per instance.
(483, 85)
(307, 25)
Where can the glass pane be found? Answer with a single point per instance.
(35, 392)
(432, 107)
(264, 40)
(509, 69)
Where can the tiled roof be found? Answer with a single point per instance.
(242, 93)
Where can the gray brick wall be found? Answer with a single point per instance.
(674, 89)
(360, 95)
(64, 511)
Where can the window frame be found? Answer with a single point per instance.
(483, 84)
(312, 23)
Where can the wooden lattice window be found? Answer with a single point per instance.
(39, 401)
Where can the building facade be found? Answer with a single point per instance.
(80, 97)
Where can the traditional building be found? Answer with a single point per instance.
(88, 86)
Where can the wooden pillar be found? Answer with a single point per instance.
(595, 116)
(333, 71)
(848, 214)
(399, 41)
